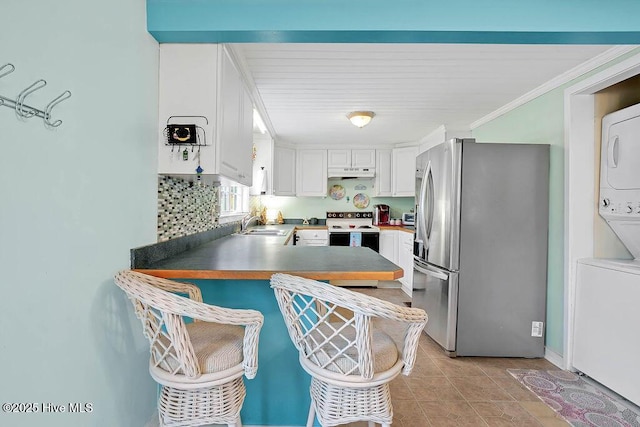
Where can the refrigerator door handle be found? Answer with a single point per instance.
(426, 205)
(424, 269)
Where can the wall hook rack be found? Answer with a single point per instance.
(185, 132)
(26, 111)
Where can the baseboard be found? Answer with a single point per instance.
(554, 358)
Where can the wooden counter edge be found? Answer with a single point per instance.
(266, 275)
(397, 227)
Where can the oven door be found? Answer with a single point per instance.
(369, 240)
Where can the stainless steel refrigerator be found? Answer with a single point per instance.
(480, 253)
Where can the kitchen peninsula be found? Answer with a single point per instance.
(233, 270)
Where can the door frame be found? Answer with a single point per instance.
(580, 201)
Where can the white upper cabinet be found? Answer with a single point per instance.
(235, 124)
(311, 172)
(365, 158)
(200, 85)
(188, 93)
(339, 158)
(382, 183)
(403, 166)
(284, 171)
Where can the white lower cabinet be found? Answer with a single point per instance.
(389, 245)
(405, 260)
(313, 237)
(397, 247)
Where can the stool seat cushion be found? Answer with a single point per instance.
(217, 347)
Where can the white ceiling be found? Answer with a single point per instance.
(308, 89)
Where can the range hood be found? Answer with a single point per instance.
(351, 172)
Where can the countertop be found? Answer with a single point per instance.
(404, 227)
(238, 256)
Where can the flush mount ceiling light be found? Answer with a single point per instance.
(360, 118)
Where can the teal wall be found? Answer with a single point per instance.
(73, 201)
(542, 121)
(278, 364)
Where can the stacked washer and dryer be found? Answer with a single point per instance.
(606, 339)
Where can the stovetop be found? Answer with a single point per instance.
(350, 215)
(351, 221)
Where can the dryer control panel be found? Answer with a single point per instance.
(612, 205)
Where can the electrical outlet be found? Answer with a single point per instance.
(537, 328)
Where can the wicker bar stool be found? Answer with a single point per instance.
(350, 362)
(198, 364)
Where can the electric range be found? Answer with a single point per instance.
(353, 229)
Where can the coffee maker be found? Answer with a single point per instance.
(381, 215)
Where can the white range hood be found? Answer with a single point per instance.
(351, 172)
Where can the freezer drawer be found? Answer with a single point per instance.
(436, 291)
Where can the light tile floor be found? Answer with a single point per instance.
(463, 391)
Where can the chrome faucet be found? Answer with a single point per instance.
(247, 221)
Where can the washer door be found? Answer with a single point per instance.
(621, 149)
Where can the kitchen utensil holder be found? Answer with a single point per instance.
(26, 111)
(200, 139)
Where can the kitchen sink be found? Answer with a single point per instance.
(264, 232)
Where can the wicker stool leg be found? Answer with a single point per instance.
(372, 424)
(312, 415)
(237, 423)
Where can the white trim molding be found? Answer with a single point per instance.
(556, 82)
(554, 357)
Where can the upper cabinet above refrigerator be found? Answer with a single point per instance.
(395, 172)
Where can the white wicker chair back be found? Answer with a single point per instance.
(350, 363)
(314, 313)
(171, 349)
(201, 374)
